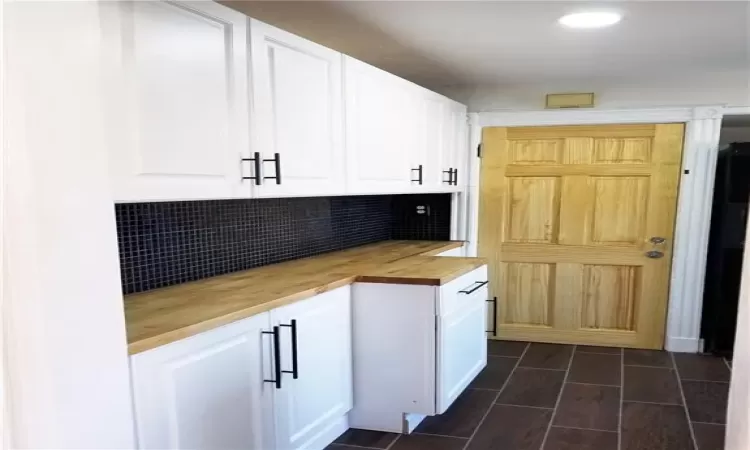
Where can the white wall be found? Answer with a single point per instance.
(68, 379)
(730, 88)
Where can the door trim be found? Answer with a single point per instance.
(700, 152)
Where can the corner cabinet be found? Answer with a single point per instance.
(175, 100)
(277, 380)
(435, 346)
(297, 114)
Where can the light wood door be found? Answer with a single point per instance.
(206, 391)
(297, 104)
(567, 217)
(308, 407)
(179, 77)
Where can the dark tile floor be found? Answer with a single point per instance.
(565, 397)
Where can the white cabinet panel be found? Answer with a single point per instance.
(178, 90)
(309, 409)
(206, 391)
(297, 100)
(461, 339)
(377, 130)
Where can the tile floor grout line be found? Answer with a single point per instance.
(652, 403)
(705, 381)
(525, 406)
(492, 405)
(438, 435)
(541, 368)
(650, 367)
(684, 402)
(584, 429)
(559, 396)
(709, 423)
(352, 445)
(726, 363)
(503, 356)
(622, 396)
(593, 384)
(597, 353)
(398, 436)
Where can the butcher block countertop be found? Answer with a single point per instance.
(161, 316)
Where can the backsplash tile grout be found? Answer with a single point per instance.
(163, 244)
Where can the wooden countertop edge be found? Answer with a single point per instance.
(168, 337)
(148, 343)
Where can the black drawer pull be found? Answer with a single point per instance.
(466, 291)
(277, 163)
(419, 178)
(450, 176)
(294, 371)
(455, 177)
(276, 357)
(256, 166)
(494, 316)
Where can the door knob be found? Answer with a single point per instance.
(657, 240)
(654, 254)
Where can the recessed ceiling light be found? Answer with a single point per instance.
(590, 19)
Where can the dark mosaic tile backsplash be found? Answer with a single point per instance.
(162, 244)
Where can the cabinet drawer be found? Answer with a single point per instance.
(456, 293)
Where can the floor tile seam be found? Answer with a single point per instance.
(559, 396)
(497, 396)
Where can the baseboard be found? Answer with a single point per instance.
(682, 345)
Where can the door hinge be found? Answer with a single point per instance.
(479, 150)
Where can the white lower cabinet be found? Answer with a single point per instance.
(222, 389)
(312, 403)
(205, 391)
(416, 349)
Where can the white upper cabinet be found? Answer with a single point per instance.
(176, 100)
(297, 114)
(378, 129)
(207, 391)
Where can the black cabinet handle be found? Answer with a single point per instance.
(419, 178)
(276, 357)
(450, 176)
(494, 316)
(277, 163)
(256, 166)
(481, 283)
(294, 371)
(455, 177)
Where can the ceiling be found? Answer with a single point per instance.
(449, 43)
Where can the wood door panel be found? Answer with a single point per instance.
(566, 220)
(532, 215)
(609, 297)
(622, 151)
(538, 151)
(620, 206)
(528, 293)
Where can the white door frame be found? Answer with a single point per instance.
(701, 148)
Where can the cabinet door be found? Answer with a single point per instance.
(377, 130)
(459, 144)
(206, 391)
(178, 89)
(297, 101)
(461, 336)
(310, 409)
(436, 173)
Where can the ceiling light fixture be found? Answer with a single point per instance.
(599, 19)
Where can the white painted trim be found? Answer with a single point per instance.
(737, 111)
(682, 345)
(694, 205)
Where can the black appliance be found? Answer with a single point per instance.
(725, 248)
